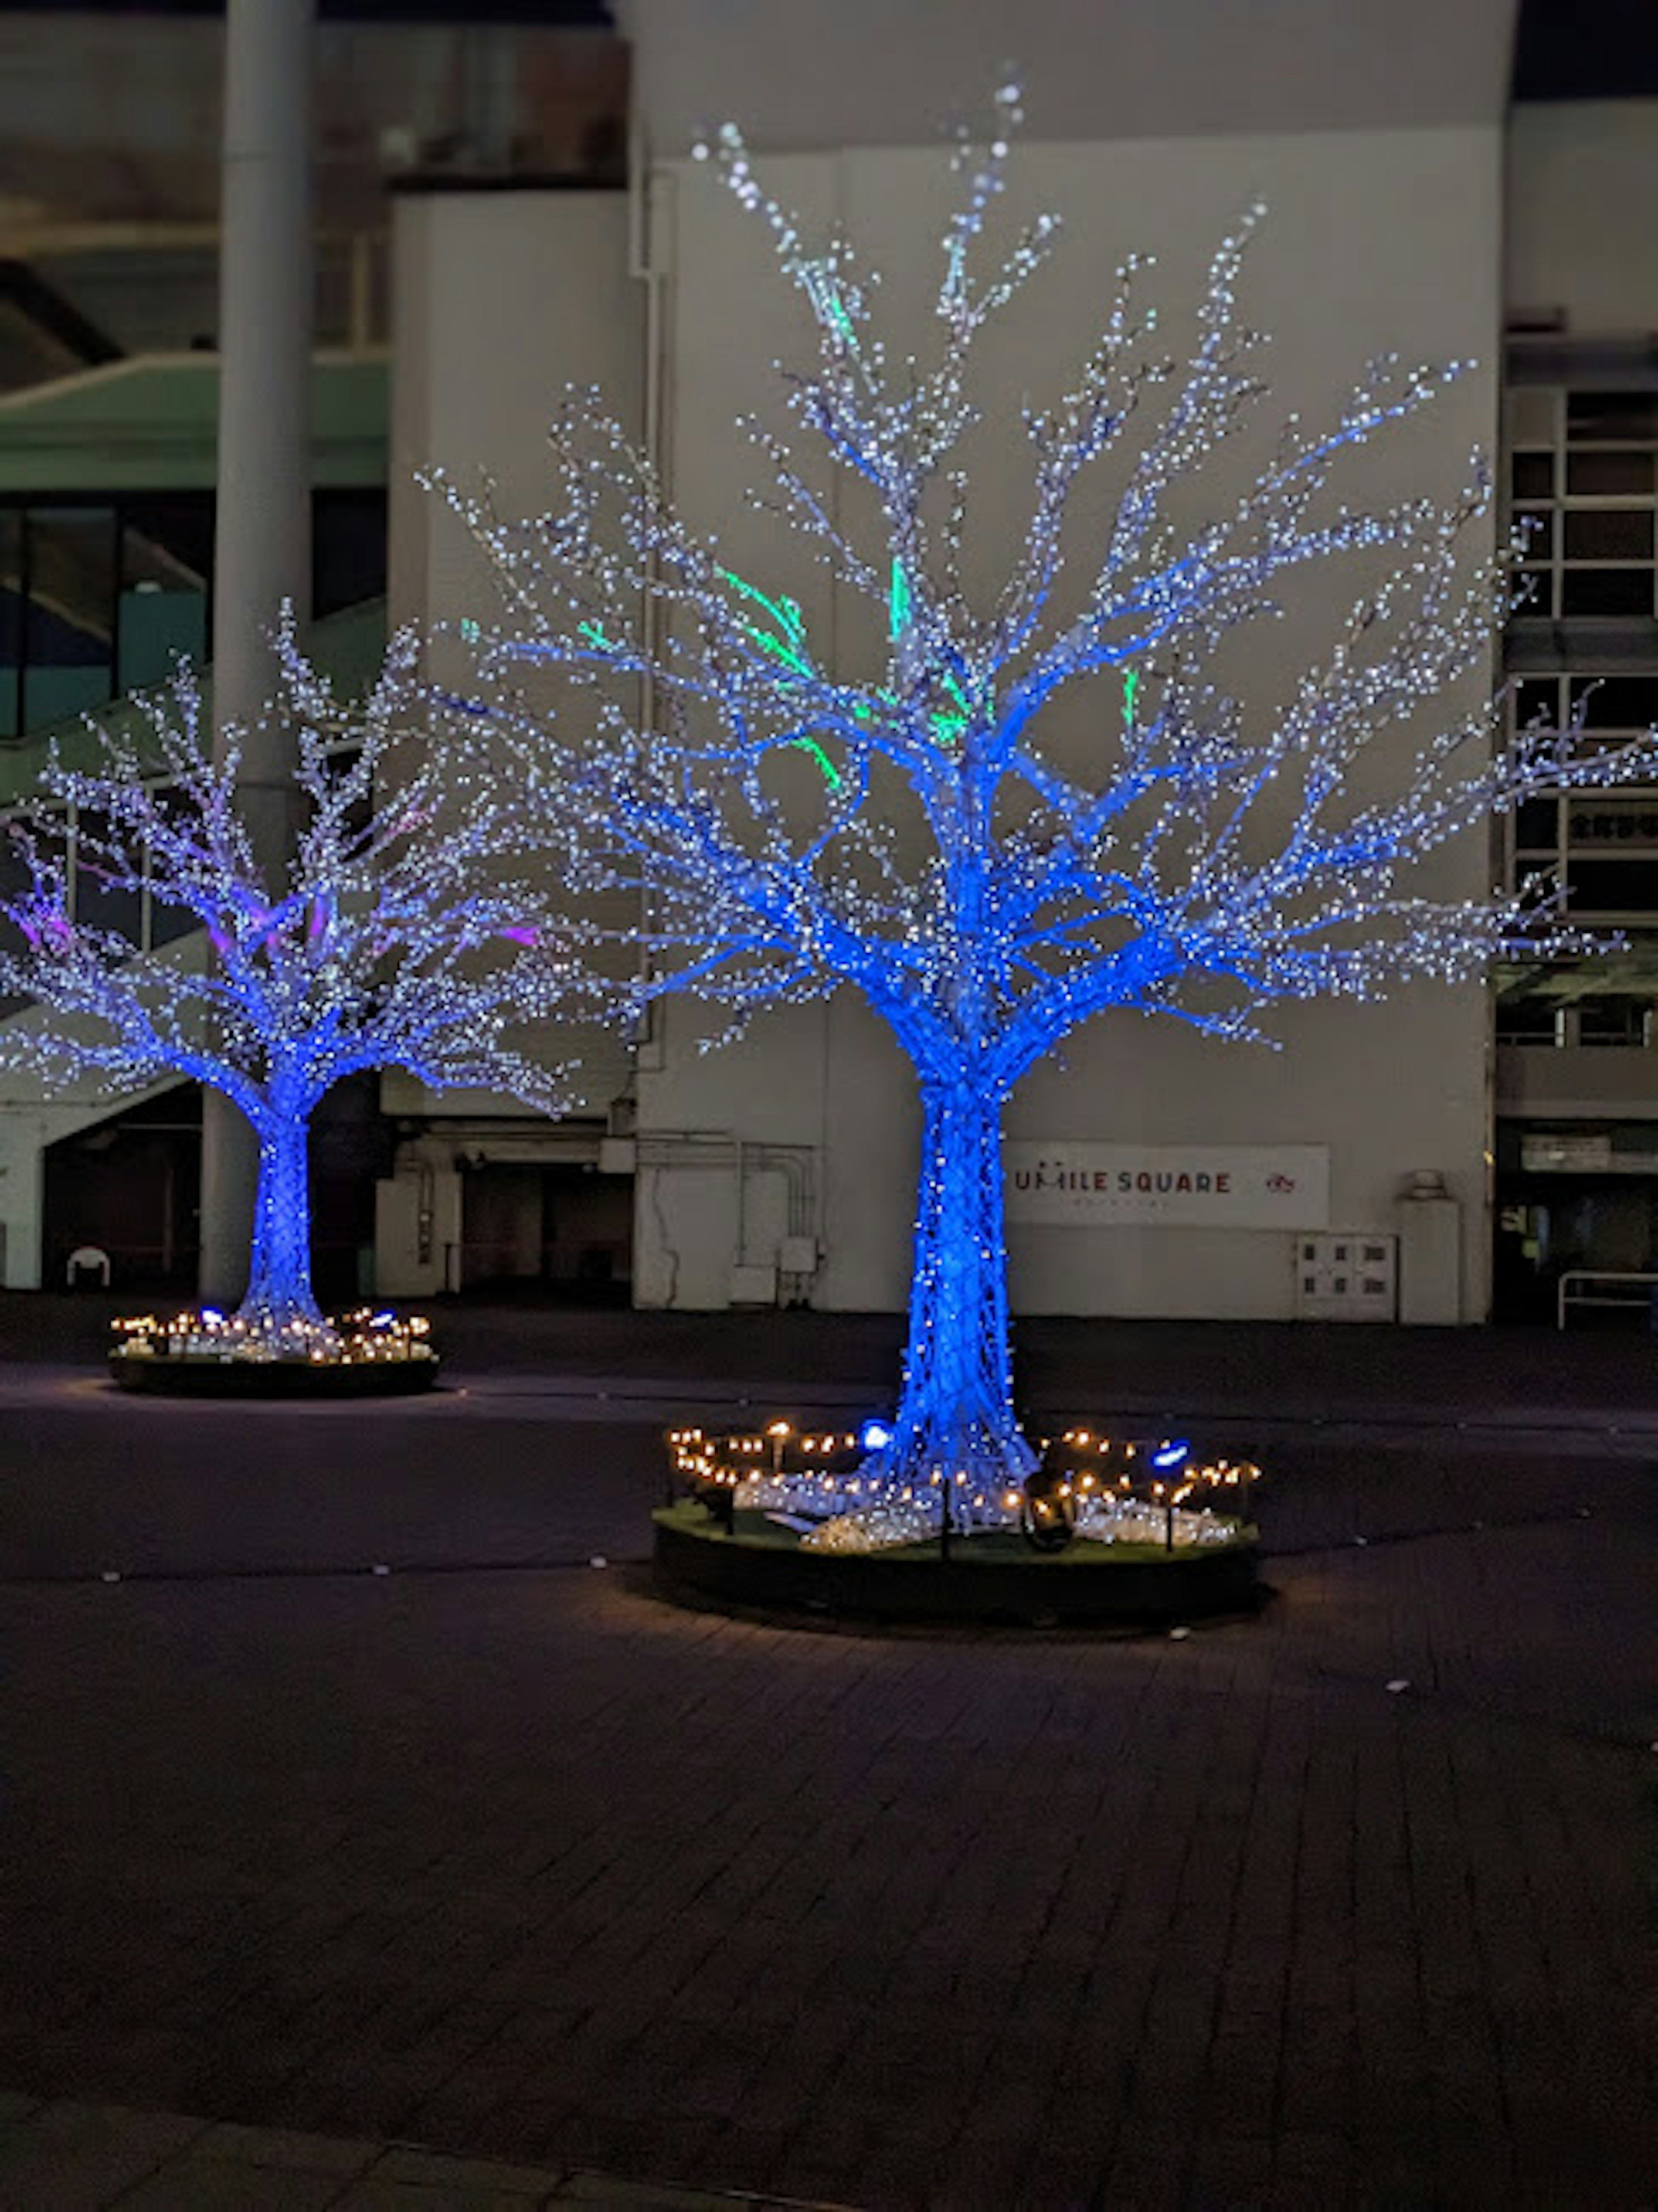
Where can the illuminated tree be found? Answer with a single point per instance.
(410, 929)
(790, 829)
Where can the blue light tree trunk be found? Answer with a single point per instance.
(279, 1293)
(956, 1429)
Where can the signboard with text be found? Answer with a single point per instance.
(1083, 1185)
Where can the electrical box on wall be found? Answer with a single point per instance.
(1347, 1275)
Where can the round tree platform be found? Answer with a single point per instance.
(185, 1376)
(993, 1577)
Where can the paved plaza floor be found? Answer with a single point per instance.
(357, 1789)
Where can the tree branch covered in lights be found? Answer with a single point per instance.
(917, 833)
(412, 928)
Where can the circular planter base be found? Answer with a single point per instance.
(985, 1579)
(162, 1376)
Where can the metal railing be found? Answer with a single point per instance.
(1638, 1034)
(1602, 1286)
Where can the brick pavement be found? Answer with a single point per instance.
(57, 2156)
(498, 1853)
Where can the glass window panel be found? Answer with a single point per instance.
(1598, 823)
(1536, 593)
(106, 906)
(1536, 826)
(69, 620)
(1617, 702)
(1533, 476)
(1612, 886)
(1531, 414)
(13, 870)
(348, 549)
(1612, 416)
(175, 529)
(1535, 697)
(1609, 533)
(168, 922)
(1610, 1020)
(1606, 592)
(166, 558)
(1534, 530)
(14, 880)
(1527, 1020)
(1609, 476)
(158, 627)
(62, 694)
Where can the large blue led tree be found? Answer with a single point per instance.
(413, 928)
(791, 828)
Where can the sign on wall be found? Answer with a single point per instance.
(1085, 1185)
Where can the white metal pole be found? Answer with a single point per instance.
(263, 547)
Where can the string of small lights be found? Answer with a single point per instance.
(368, 1336)
(832, 1487)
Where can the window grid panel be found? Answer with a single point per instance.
(1583, 487)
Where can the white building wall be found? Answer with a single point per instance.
(500, 299)
(815, 73)
(1582, 189)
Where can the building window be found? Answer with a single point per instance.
(1583, 492)
(1601, 845)
(97, 600)
(101, 599)
(1582, 481)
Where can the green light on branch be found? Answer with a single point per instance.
(830, 308)
(900, 602)
(778, 650)
(785, 612)
(831, 773)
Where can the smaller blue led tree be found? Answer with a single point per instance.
(923, 834)
(412, 930)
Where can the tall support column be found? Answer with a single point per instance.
(263, 553)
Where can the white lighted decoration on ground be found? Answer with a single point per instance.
(823, 1486)
(368, 1336)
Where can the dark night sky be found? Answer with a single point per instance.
(1566, 49)
(1587, 50)
(547, 15)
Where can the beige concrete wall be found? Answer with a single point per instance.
(1583, 184)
